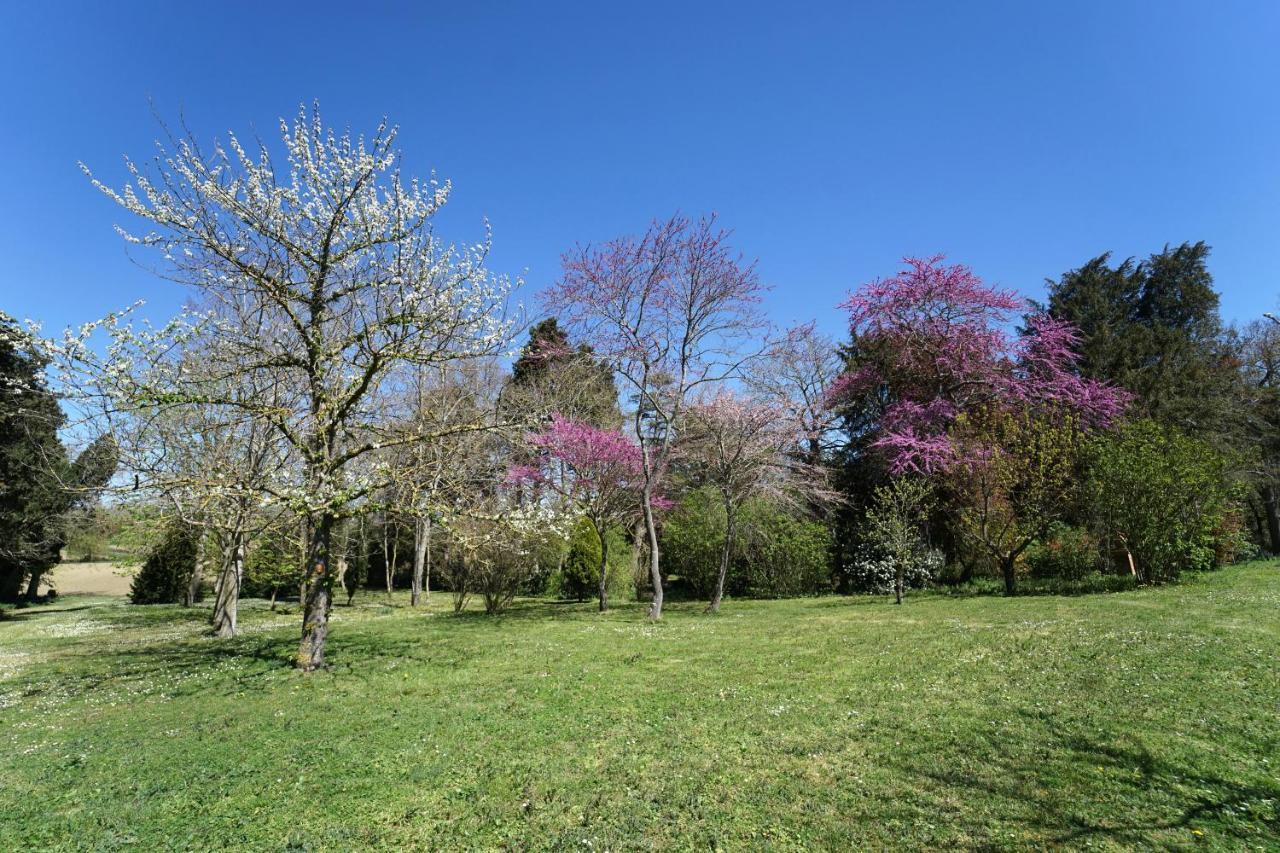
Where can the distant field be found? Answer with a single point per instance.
(90, 579)
(1137, 719)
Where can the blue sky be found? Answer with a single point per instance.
(1022, 138)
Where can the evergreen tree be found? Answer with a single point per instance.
(39, 485)
(1153, 328)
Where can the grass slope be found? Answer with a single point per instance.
(1140, 718)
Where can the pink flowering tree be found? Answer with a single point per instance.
(598, 472)
(998, 415)
(672, 311)
(745, 449)
(934, 342)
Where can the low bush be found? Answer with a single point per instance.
(1067, 553)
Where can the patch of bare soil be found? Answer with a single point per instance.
(91, 579)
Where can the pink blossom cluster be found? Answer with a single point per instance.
(936, 338)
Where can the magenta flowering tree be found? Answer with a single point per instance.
(934, 341)
(670, 311)
(598, 472)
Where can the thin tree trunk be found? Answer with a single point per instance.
(275, 590)
(655, 574)
(226, 606)
(315, 614)
(426, 566)
(898, 572)
(729, 523)
(604, 567)
(386, 554)
(197, 577)
(419, 558)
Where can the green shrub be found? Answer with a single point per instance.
(579, 578)
(271, 566)
(166, 573)
(1161, 500)
(783, 554)
(692, 536)
(1067, 553)
(779, 553)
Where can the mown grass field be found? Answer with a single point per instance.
(1145, 718)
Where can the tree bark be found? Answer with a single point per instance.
(197, 577)
(315, 614)
(898, 579)
(604, 568)
(387, 556)
(421, 547)
(1009, 566)
(729, 523)
(227, 603)
(33, 585)
(655, 573)
(1273, 516)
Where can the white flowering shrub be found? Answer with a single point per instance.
(872, 571)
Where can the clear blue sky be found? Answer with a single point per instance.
(1021, 138)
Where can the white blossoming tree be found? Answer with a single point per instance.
(331, 259)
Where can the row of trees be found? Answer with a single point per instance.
(337, 378)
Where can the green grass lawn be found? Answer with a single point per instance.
(1144, 718)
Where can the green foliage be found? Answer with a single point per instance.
(271, 566)
(1160, 497)
(894, 536)
(33, 465)
(782, 554)
(579, 579)
(1140, 720)
(1020, 476)
(1067, 553)
(1153, 328)
(777, 553)
(166, 573)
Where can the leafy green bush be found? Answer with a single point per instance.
(1067, 553)
(692, 535)
(778, 553)
(166, 573)
(783, 554)
(1160, 499)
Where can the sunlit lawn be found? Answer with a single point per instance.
(1139, 718)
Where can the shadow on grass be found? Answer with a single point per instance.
(1203, 801)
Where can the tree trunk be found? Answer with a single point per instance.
(197, 576)
(421, 545)
(275, 590)
(227, 603)
(899, 570)
(655, 574)
(718, 595)
(1273, 517)
(604, 568)
(315, 613)
(33, 585)
(387, 569)
(1009, 566)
